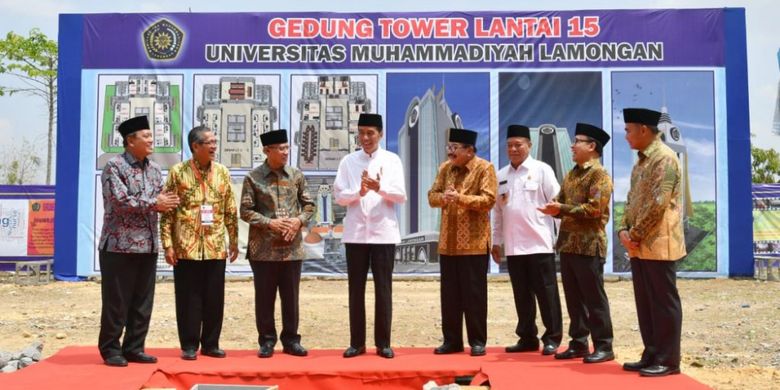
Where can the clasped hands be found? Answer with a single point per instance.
(286, 227)
(369, 184)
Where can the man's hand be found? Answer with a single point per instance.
(292, 231)
(166, 200)
(279, 225)
(496, 252)
(233, 253)
(450, 195)
(170, 256)
(625, 239)
(363, 186)
(551, 208)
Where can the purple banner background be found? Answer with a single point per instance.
(692, 37)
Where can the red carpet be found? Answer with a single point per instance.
(82, 368)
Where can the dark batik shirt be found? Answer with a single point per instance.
(584, 214)
(267, 193)
(130, 189)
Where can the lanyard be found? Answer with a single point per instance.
(196, 172)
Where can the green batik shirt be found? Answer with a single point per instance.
(653, 215)
(584, 213)
(266, 194)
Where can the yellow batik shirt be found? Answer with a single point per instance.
(653, 214)
(465, 226)
(584, 213)
(181, 228)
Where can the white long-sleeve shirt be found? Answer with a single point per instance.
(517, 224)
(370, 219)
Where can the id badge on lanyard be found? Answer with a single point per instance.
(206, 214)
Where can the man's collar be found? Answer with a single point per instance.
(285, 169)
(651, 149)
(134, 161)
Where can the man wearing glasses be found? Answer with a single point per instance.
(276, 204)
(528, 238)
(193, 236)
(465, 190)
(583, 207)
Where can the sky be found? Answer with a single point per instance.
(25, 117)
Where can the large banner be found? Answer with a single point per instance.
(26, 224)
(314, 73)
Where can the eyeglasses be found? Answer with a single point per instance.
(578, 140)
(212, 142)
(515, 145)
(454, 147)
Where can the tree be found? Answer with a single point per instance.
(19, 163)
(765, 165)
(33, 61)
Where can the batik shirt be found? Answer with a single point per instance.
(181, 228)
(584, 212)
(266, 194)
(465, 226)
(130, 189)
(653, 215)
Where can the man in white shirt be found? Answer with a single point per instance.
(369, 183)
(527, 236)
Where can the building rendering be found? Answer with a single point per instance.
(238, 110)
(552, 145)
(143, 95)
(329, 109)
(422, 142)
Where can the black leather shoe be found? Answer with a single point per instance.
(658, 370)
(140, 357)
(115, 361)
(478, 350)
(295, 349)
(352, 351)
(549, 349)
(599, 356)
(636, 366)
(189, 354)
(571, 353)
(446, 349)
(385, 352)
(213, 352)
(522, 347)
(265, 351)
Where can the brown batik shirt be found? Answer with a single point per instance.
(465, 226)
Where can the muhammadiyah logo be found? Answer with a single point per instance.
(163, 40)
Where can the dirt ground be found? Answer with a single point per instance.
(730, 334)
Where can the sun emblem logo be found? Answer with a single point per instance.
(163, 40)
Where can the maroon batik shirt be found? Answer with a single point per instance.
(130, 189)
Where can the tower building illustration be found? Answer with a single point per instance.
(552, 145)
(422, 144)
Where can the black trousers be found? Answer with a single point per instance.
(464, 294)
(533, 276)
(127, 292)
(658, 309)
(200, 302)
(270, 276)
(586, 301)
(380, 259)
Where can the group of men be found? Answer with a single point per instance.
(533, 217)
